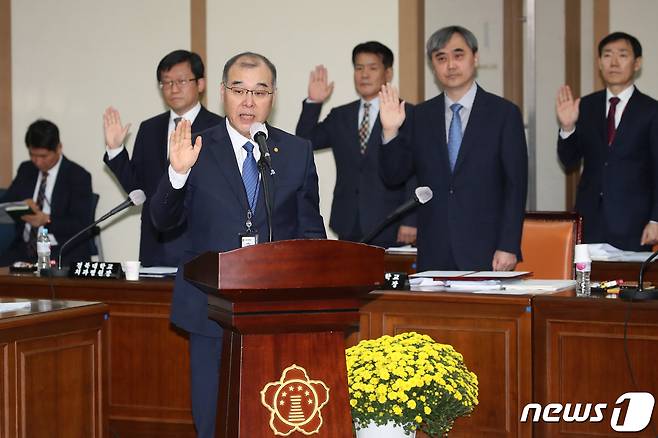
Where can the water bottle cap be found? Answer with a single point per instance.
(581, 254)
(44, 230)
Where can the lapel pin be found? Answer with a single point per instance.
(276, 149)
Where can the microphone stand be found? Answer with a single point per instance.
(63, 272)
(374, 233)
(639, 294)
(263, 166)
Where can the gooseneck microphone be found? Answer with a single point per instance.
(258, 132)
(136, 197)
(639, 294)
(421, 196)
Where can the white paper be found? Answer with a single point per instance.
(440, 274)
(158, 271)
(406, 249)
(604, 252)
(538, 285)
(497, 274)
(13, 306)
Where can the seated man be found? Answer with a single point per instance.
(58, 191)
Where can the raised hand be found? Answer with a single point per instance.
(319, 89)
(566, 108)
(115, 133)
(182, 154)
(391, 111)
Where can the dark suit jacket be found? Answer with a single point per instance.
(618, 190)
(144, 171)
(479, 208)
(71, 207)
(360, 192)
(214, 205)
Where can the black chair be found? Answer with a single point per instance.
(95, 245)
(7, 231)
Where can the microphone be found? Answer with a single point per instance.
(422, 195)
(136, 197)
(258, 132)
(639, 294)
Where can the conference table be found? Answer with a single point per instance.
(53, 366)
(523, 348)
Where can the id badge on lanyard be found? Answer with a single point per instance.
(250, 236)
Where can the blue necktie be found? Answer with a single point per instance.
(250, 175)
(454, 135)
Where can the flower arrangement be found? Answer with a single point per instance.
(410, 380)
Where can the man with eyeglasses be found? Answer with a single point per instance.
(213, 185)
(361, 199)
(181, 79)
(59, 193)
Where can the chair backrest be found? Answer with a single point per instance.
(548, 244)
(7, 231)
(95, 247)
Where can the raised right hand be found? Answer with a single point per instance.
(115, 133)
(182, 154)
(391, 111)
(319, 89)
(566, 108)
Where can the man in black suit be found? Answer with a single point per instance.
(469, 147)
(59, 193)
(181, 78)
(361, 199)
(213, 185)
(615, 134)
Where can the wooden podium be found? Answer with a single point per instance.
(285, 307)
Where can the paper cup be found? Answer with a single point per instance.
(131, 269)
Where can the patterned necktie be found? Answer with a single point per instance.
(250, 175)
(454, 134)
(364, 128)
(611, 119)
(34, 231)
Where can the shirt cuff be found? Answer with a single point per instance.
(176, 179)
(565, 134)
(112, 153)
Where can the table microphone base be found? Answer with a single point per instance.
(638, 295)
(58, 272)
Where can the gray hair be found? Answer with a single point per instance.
(440, 38)
(250, 60)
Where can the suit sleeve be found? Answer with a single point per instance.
(167, 206)
(653, 142)
(128, 171)
(308, 127)
(396, 162)
(308, 203)
(514, 160)
(570, 149)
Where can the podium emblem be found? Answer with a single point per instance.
(295, 402)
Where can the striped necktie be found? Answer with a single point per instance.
(364, 128)
(250, 176)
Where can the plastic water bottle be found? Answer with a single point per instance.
(43, 250)
(583, 270)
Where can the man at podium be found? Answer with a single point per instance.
(214, 185)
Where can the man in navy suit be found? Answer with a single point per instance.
(469, 147)
(615, 134)
(361, 199)
(213, 187)
(180, 76)
(59, 193)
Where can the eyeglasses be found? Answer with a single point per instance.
(181, 83)
(242, 92)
